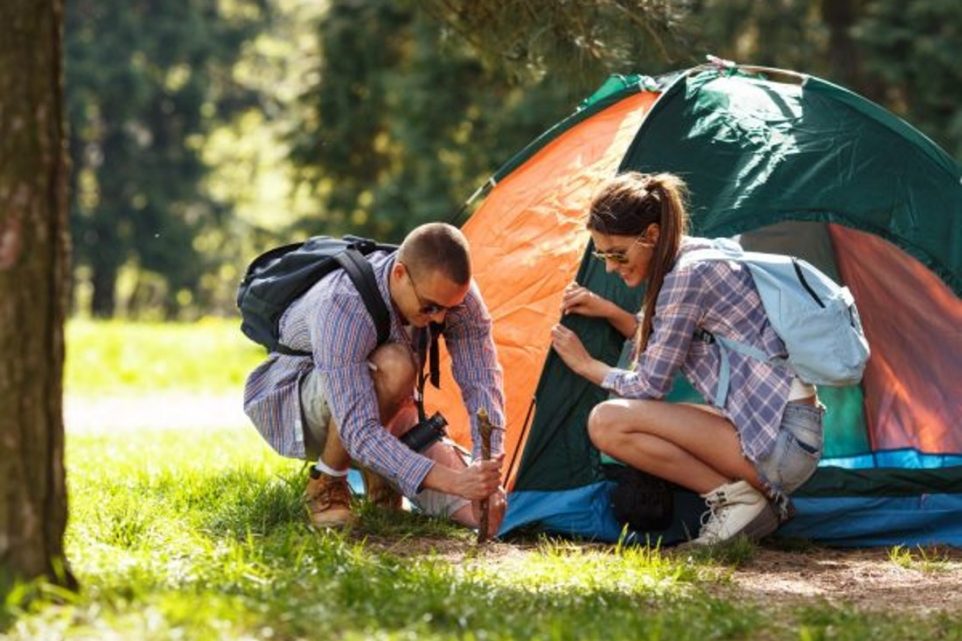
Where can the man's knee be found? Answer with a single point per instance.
(394, 377)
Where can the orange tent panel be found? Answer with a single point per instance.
(912, 397)
(527, 240)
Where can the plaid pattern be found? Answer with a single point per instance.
(331, 321)
(720, 297)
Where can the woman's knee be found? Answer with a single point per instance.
(603, 425)
(611, 422)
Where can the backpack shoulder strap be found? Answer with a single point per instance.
(725, 249)
(362, 275)
(720, 249)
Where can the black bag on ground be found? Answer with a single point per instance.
(642, 501)
(278, 277)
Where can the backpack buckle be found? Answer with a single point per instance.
(704, 335)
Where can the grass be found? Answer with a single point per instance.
(124, 358)
(200, 535)
(923, 559)
(176, 535)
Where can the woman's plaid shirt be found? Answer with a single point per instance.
(720, 297)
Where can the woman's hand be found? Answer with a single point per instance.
(583, 301)
(572, 351)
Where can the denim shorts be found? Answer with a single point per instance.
(797, 449)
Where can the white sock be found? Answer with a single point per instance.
(327, 469)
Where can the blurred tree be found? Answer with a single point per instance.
(583, 40)
(33, 277)
(413, 110)
(146, 81)
(911, 50)
(789, 34)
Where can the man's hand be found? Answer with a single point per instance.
(496, 506)
(580, 300)
(480, 479)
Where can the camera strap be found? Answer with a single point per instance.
(428, 351)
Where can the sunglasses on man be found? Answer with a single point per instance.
(427, 307)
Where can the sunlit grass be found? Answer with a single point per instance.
(178, 535)
(924, 559)
(193, 534)
(119, 357)
(204, 536)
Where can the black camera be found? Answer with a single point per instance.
(426, 433)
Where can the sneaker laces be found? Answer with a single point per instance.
(712, 519)
(782, 506)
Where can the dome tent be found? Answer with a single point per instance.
(788, 163)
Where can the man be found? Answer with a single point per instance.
(351, 400)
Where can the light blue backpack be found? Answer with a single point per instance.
(814, 316)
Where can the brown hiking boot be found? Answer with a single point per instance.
(328, 500)
(379, 491)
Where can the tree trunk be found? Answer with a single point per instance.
(843, 55)
(104, 281)
(34, 241)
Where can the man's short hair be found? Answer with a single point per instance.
(437, 247)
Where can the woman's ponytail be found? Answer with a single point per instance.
(670, 191)
(626, 206)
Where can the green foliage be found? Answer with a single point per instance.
(405, 121)
(913, 50)
(202, 536)
(145, 82)
(571, 40)
(114, 357)
(789, 34)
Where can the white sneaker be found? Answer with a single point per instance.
(734, 509)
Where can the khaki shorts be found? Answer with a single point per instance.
(315, 415)
(316, 420)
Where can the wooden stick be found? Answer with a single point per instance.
(485, 428)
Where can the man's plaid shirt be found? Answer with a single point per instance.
(331, 321)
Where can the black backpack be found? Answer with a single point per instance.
(278, 277)
(646, 503)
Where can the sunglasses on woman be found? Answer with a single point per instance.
(619, 256)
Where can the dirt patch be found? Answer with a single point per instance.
(868, 580)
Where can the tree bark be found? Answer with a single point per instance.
(843, 55)
(34, 240)
(104, 281)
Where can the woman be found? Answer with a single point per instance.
(744, 458)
